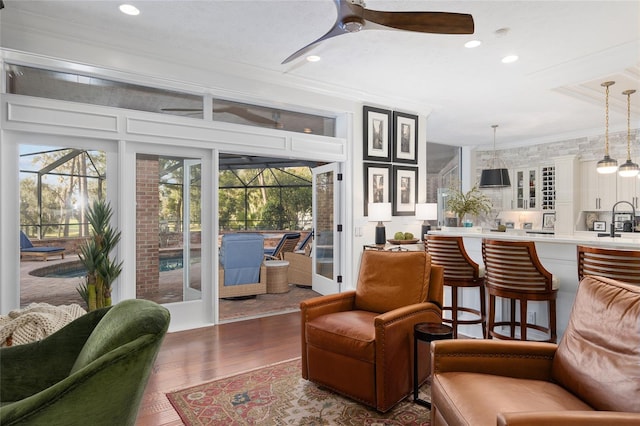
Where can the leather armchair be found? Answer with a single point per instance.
(359, 343)
(592, 377)
(92, 371)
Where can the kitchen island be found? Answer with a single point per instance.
(558, 254)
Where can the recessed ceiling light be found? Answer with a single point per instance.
(509, 59)
(129, 9)
(313, 58)
(472, 43)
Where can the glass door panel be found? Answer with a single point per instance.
(58, 184)
(326, 219)
(168, 211)
(533, 183)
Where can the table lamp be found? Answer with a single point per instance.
(426, 212)
(380, 212)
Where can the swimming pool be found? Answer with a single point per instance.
(75, 268)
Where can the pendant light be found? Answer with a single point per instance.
(607, 164)
(629, 169)
(494, 177)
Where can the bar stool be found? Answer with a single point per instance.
(460, 271)
(513, 271)
(621, 265)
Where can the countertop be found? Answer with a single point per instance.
(626, 240)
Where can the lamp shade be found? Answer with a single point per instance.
(426, 211)
(628, 169)
(607, 165)
(495, 178)
(379, 212)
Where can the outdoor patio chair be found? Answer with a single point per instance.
(242, 272)
(28, 249)
(306, 242)
(287, 243)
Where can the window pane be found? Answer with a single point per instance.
(63, 86)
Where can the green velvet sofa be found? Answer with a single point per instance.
(92, 371)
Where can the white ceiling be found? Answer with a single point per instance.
(566, 49)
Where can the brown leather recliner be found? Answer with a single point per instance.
(360, 343)
(592, 377)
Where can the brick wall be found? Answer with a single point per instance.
(147, 226)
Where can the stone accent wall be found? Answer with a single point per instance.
(147, 226)
(585, 148)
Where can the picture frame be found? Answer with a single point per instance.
(377, 134)
(599, 225)
(527, 225)
(548, 220)
(377, 184)
(405, 190)
(620, 219)
(405, 138)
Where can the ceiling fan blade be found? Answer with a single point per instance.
(237, 111)
(424, 22)
(345, 11)
(249, 116)
(335, 31)
(181, 109)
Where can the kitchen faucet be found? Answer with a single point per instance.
(612, 232)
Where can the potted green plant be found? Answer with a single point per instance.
(472, 202)
(102, 270)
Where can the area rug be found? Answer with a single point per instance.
(278, 395)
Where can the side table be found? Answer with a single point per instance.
(277, 276)
(426, 332)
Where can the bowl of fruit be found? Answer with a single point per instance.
(403, 238)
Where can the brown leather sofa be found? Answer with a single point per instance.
(592, 377)
(360, 343)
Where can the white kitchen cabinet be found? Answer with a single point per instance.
(629, 190)
(598, 191)
(526, 183)
(507, 194)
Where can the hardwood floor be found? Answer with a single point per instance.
(192, 357)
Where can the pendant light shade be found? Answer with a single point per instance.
(607, 164)
(629, 168)
(494, 176)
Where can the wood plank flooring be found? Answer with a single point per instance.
(192, 357)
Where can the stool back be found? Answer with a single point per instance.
(621, 265)
(449, 252)
(513, 267)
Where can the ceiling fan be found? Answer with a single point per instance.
(233, 110)
(354, 17)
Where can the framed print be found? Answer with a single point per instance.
(405, 138)
(405, 190)
(599, 225)
(377, 134)
(377, 184)
(619, 219)
(548, 220)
